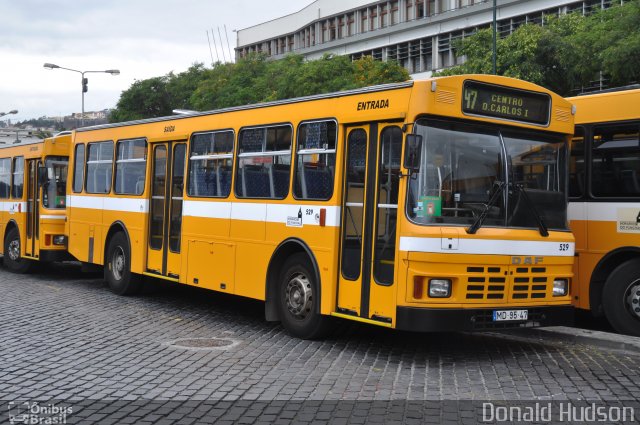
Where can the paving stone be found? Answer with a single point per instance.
(110, 358)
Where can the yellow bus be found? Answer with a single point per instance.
(33, 184)
(604, 208)
(428, 205)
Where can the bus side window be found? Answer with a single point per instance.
(616, 161)
(210, 164)
(99, 167)
(315, 160)
(576, 164)
(5, 177)
(18, 177)
(131, 165)
(78, 169)
(264, 162)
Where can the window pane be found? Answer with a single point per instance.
(54, 189)
(5, 177)
(616, 161)
(314, 175)
(78, 172)
(156, 232)
(214, 143)
(354, 205)
(459, 165)
(131, 167)
(18, 178)
(576, 164)
(211, 176)
(99, 167)
(538, 167)
(264, 176)
(388, 184)
(177, 184)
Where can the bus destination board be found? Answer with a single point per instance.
(501, 102)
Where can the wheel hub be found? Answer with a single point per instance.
(633, 299)
(118, 263)
(14, 250)
(298, 295)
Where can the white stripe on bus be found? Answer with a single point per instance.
(489, 246)
(14, 207)
(52, 217)
(598, 211)
(139, 205)
(249, 211)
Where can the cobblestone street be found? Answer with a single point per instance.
(179, 354)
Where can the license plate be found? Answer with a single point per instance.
(507, 315)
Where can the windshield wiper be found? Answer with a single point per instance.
(542, 227)
(476, 225)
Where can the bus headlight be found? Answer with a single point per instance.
(59, 240)
(439, 288)
(560, 287)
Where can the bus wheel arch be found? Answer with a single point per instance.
(117, 261)
(621, 298)
(294, 256)
(286, 249)
(601, 273)
(11, 242)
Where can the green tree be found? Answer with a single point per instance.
(251, 80)
(158, 96)
(613, 37)
(144, 99)
(256, 79)
(567, 52)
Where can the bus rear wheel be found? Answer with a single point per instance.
(299, 301)
(117, 270)
(621, 298)
(12, 253)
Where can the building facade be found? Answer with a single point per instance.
(418, 34)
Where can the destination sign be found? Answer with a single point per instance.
(503, 102)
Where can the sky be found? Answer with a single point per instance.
(141, 38)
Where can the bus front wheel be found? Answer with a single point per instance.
(117, 270)
(621, 298)
(13, 259)
(299, 301)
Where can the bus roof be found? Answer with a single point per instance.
(448, 85)
(371, 89)
(606, 107)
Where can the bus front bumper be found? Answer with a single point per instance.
(480, 319)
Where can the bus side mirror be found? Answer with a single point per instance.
(412, 149)
(42, 175)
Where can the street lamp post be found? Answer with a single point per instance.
(84, 81)
(13, 111)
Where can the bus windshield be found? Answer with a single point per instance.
(54, 189)
(462, 166)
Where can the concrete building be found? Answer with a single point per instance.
(419, 34)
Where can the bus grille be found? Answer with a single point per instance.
(502, 283)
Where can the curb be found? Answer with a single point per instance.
(585, 336)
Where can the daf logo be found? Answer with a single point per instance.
(526, 260)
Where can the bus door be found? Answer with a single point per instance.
(31, 247)
(165, 209)
(366, 285)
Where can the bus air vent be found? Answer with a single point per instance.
(444, 96)
(562, 115)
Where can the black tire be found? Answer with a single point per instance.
(13, 254)
(117, 267)
(299, 300)
(621, 298)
